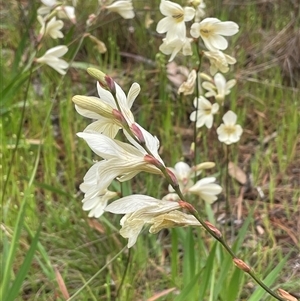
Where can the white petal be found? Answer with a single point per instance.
(230, 118)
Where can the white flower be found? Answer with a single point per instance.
(107, 125)
(66, 12)
(95, 200)
(173, 46)
(219, 88)
(123, 8)
(52, 58)
(206, 189)
(212, 30)
(47, 7)
(185, 175)
(139, 210)
(172, 219)
(174, 22)
(188, 86)
(229, 132)
(52, 28)
(121, 160)
(205, 112)
(219, 61)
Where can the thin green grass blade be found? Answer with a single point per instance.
(269, 280)
(189, 257)
(174, 255)
(12, 250)
(188, 292)
(207, 274)
(17, 284)
(234, 285)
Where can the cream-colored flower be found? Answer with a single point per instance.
(199, 6)
(66, 12)
(172, 219)
(212, 30)
(219, 61)
(218, 88)
(174, 22)
(207, 189)
(51, 28)
(47, 6)
(124, 8)
(188, 86)
(108, 124)
(229, 132)
(139, 210)
(173, 46)
(121, 160)
(52, 58)
(204, 114)
(185, 175)
(95, 200)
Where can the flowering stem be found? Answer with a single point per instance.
(213, 231)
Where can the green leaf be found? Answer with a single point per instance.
(17, 284)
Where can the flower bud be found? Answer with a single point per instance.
(104, 80)
(282, 293)
(94, 105)
(241, 265)
(204, 165)
(214, 229)
(151, 160)
(172, 176)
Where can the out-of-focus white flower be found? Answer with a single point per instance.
(175, 17)
(108, 125)
(124, 8)
(219, 61)
(173, 46)
(95, 200)
(188, 86)
(64, 12)
(199, 6)
(219, 88)
(205, 112)
(121, 160)
(51, 28)
(185, 175)
(229, 132)
(207, 189)
(139, 210)
(52, 58)
(212, 30)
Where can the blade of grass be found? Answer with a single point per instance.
(17, 284)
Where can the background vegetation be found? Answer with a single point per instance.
(181, 264)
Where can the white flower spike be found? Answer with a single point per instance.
(229, 132)
(205, 112)
(124, 8)
(212, 30)
(52, 59)
(175, 17)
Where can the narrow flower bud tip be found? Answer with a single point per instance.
(119, 116)
(206, 77)
(105, 81)
(284, 294)
(137, 133)
(204, 165)
(241, 265)
(187, 206)
(94, 105)
(151, 160)
(172, 176)
(214, 229)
